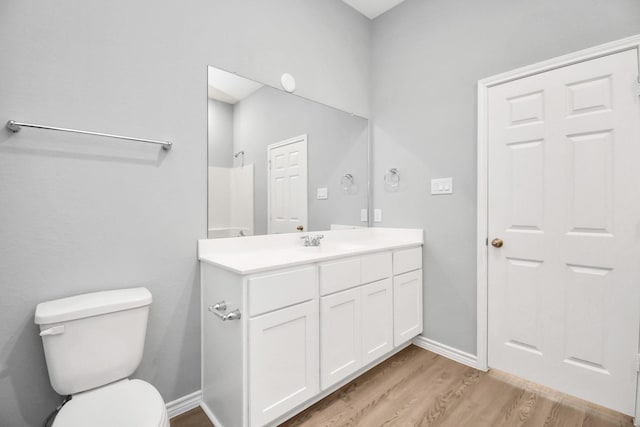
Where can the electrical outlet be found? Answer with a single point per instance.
(442, 186)
(322, 193)
(377, 215)
(364, 215)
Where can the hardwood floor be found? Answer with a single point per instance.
(192, 418)
(420, 388)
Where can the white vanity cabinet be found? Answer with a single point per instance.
(304, 329)
(283, 361)
(377, 320)
(356, 329)
(282, 341)
(407, 295)
(356, 324)
(266, 363)
(341, 345)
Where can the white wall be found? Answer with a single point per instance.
(82, 214)
(220, 134)
(219, 190)
(242, 185)
(427, 58)
(230, 201)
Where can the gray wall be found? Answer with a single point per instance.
(427, 57)
(220, 134)
(82, 214)
(336, 144)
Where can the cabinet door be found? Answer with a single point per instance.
(377, 320)
(341, 342)
(407, 306)
(283, 361)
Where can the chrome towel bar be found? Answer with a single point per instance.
(15, 126)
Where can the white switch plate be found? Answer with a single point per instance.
(442, 186)
(364, 215)
(322, 194)
(377, 215)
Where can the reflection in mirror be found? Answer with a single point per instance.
(279, 163)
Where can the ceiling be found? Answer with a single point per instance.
(372, 8)
(228, 87)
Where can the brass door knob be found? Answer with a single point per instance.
(497, 243)
(300, 228)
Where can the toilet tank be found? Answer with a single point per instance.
(93, 339)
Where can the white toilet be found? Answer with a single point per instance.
(92, 343)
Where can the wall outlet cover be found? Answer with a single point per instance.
(364, 215)
(442, 186)
(322, 193)
(377, 215)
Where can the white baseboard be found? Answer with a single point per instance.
(184, 404)
(446, 351)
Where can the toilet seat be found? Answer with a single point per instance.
(126, 403)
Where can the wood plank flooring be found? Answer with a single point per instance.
(419, 388)
(192, 418)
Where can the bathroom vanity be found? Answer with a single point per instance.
(284, 325)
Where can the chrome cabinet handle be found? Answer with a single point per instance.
(219, 310)
(234, 315)
(219, 306)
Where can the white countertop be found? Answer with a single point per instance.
(254, 254)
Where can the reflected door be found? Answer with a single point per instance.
(288, 185)
(564, 202)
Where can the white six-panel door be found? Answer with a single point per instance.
(288, 185)
(564, 198)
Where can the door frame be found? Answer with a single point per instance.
(299, 138)
(626, 44)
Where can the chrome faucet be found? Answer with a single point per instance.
(312, 241)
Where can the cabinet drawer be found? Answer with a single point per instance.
(339, 275)
(281, 289)
(376, 267)
(407, 260)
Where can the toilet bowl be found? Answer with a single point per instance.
(92, 344)
(124, 403)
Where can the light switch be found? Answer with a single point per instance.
(442, 186)
(377, 215)
(322, 194)
(364, 215)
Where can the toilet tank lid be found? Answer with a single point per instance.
(93, 304)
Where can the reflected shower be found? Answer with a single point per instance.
(240, 153)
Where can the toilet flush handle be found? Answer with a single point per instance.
(56, 330)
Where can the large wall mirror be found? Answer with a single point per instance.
(280, 163)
